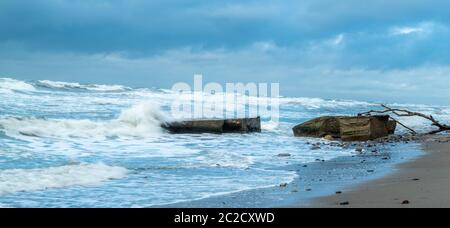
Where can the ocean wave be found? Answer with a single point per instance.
(141, 120)
(77, 86)
(25, 180)
(8, 85)
(316, 103)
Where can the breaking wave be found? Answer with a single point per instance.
(141, 120)
(77, 86)
(25, 180)
(316, 103)
(12, 85)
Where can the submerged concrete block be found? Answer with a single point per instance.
(364, 128)
(361, 128)
(245, 125)
(392, 125)
(319, 127)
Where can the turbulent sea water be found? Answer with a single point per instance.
(73, 145)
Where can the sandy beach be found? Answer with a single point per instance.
(422, 183)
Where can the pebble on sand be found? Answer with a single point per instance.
(344, 203)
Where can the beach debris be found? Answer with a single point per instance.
(246, 125)
(345, 203)
(284, 155)
(406, 113)
(406, 202)
(360, 128)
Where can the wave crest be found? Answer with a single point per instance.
(77, 86)
(8, 85)
(141, 120)
(19, 180)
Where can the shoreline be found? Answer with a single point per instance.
(317, 179)
(421, 183)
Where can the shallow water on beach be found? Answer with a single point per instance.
(72, 145)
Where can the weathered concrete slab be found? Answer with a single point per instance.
(361, 128)
(392, 126)
(364, 128)
(319, 127)
(245, 125)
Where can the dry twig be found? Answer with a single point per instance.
(407, 113)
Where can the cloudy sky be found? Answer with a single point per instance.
(382, 50)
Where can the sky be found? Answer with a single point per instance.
(381, 50)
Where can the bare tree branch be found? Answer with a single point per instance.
(400, 123)
(407, 113)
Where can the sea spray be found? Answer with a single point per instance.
(141, 120)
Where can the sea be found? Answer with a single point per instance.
(67, 144)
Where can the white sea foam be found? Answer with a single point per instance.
(141, 120)
(269, 125)
(4, 206)
(316, 103)
(20, 180)
(11, 85)
(90, 87)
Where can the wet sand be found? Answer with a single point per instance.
(316, 179)
(422, 183)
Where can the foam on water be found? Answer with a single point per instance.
(11, 85)
(316, 103)
(23, 180)
(72, 85)
(141, 120)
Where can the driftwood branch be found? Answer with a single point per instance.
(407, 113)
(401, 124)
